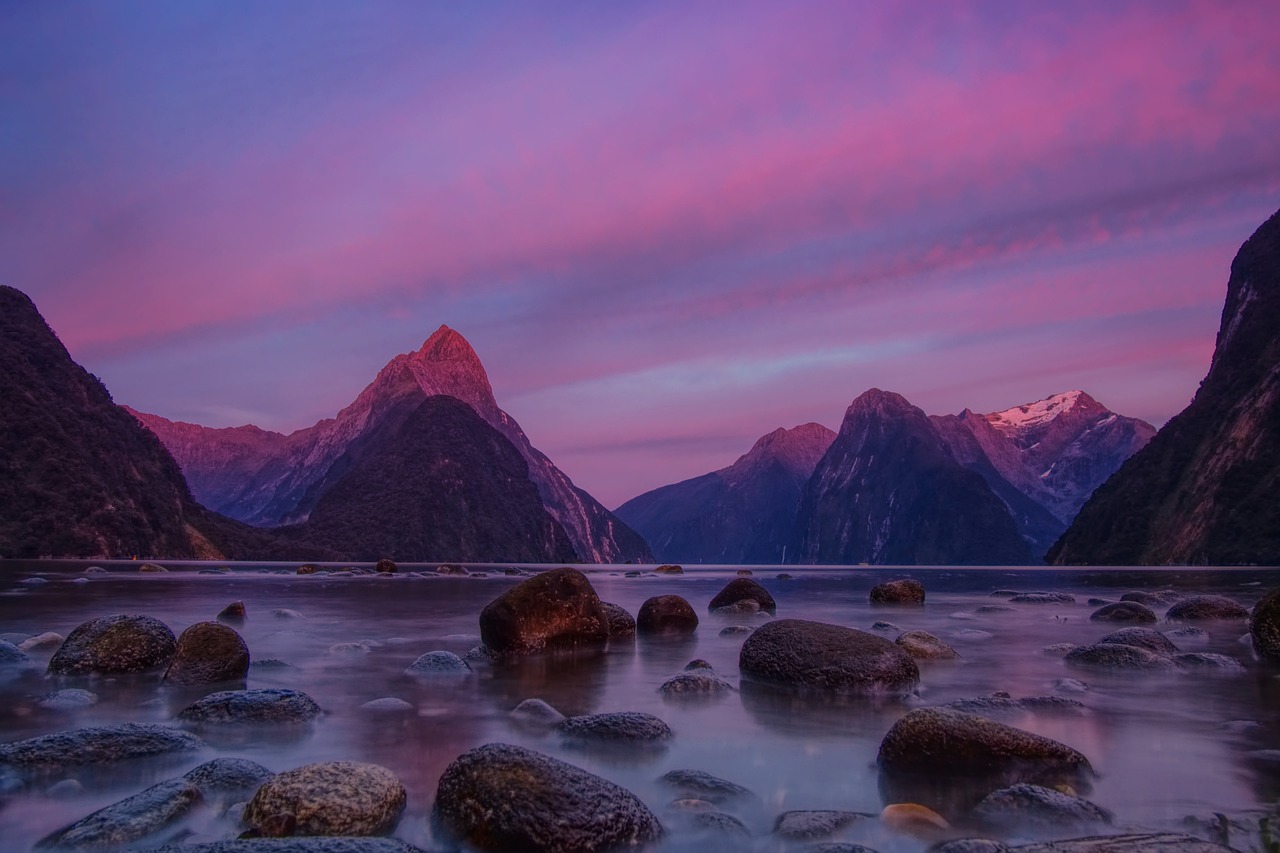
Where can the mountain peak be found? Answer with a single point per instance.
(446, 344)
(1043, 411)
(798, 449)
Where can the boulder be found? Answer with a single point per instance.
(922, 645)
(233, 614)
(386, 566)
(438, 663)
(1152, 598)
(152, 568)
(905, 591)
(695, 685)
(307, 569)
(388, 705)
(1205, 607)
(1264, 627)
(1123, 611)
(740, 589)
(536, 713)
(735, 630)
(10, 654)
(622, 626)
(1144, 638)
(96, 745)
(47, 642)
(252, 706)
(826, 658)
(700, 785)
(208, 653)
(937, 742)
(130, 819)
(666, 616)
(554, 610)
(451, 569)
(1043, 598)
(330, 798)
(1209, 661)
(501, 798)
(669, 570)
(807, 825)
(227, 780)
(1003, 705)
(70, 699)
(115, 645)
(618, 727)
(1117, 656)
(1020, 808)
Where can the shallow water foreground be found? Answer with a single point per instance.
(1171, 748)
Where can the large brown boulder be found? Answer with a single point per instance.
(666, 615)
(739, 589)
(827, 658)
(1264, 627)
(208, 653)
(555, 610)
(1206, 607)
(504, 798)
(622, 625)
(329, 798)
(115, 645)
(905, 591)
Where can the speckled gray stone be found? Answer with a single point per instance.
(331, 798)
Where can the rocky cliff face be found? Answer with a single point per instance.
(433, 481)
(269, 479)
(890, 491)
(1204, 490)
(81, 477)
(744, 513)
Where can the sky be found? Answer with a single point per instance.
(666, 228)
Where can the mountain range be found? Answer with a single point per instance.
(897, 486)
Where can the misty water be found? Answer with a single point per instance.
(1166, 746)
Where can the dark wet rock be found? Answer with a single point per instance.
(96, 745)
(252, 706)
(115, 645)
(887, 627)
(1006, 706)
(1117, 656)
(703, 786)
(618, 727)
(969, 845)
(666, 615)
(208, 653)
(1144, 638)
(922, 645)
(828, 658)
(438, 663)
(940, 742)
(386, 566)
(152, 568)
(808, 825)
(1123, 611)
(715, 821)
(388, 705)
(286, 613)
(632, 574)
(537, 714)
(740, 589)
(233, 614)
(1053, 705)
(1187, 633)
(1043, 598)
(331, 798)
(697, 664)
(307, 569)
(49, 641)
(128, 820)
(744, 573)
(669, 570)
(554, 610)
(505, 798)
(622, 625)
(314, 844)
(1152, 842)
(1199, 607)
(227, 780)
(451, 569)
(905, 591)
(1209, 661)
(1030, 807)
(95, 570)
(10, 654)
(70, 699)
(783, 576)
(736, 630)
(1059, 650)
(996, 608)
(739, 608)
(1264, 627)
(694, 685)
(269, 663)
(1152, 598)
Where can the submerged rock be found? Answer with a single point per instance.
(233, 614)
(622, 626)
(666, 616)
(128, 820)
(386, 566)
(537, 714)
(1144, 638)
(71, 699)
(46, 642)
(691, 685)
(503, 798)
(1019, 808)
(1118, 656)
(1209, 661)
(1043, 598)
(97, 745)
(619, 727)
(905, 591)
(438, 663)
(1264, 627)
(252, 706)
(558, 609)
(208, 653)
(228, 779)
(1206, 607)
(388, 705)
(330, 798)
(922, 645)
(11, 654)
(1152, 598)
(1123, 611)
(115, 645)
(827, 658)
(808, 825)
(743, 589)
(703, 786)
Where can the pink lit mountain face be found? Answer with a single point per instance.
(270, 479)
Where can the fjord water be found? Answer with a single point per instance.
(1166, 746)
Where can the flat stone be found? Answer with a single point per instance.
(252, 706)
(703, 786)
(826, 658)
(1119, 657)
(130, 819)
(97, 745)
(811, 824)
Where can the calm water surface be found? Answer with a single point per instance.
(1166, 746)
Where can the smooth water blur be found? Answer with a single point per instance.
(1166, 746)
